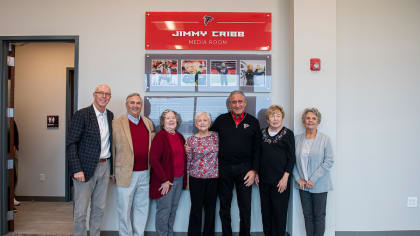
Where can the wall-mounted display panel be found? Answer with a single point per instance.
(208, 31)
(207, 72)
(187, 107)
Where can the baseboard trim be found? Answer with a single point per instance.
(379, 233)
(148, 233)
(40, 198)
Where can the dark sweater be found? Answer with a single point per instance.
(277, 155)
(15, 139)
(238, 144)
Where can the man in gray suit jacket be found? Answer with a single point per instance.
(89, 156)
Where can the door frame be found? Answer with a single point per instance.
(69, 114)
(4, 42)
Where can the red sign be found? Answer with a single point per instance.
(208, 31)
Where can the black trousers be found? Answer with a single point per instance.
(314, 210)
(203, 193)
(274, 209)
(229, 176)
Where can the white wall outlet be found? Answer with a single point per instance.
(42, 177)
(412, 202)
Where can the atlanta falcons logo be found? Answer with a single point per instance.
(207, 19)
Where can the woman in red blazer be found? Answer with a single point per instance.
(168, 175)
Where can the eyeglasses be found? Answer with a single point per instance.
(108, 95)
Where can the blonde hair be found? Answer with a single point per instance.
(272, 109)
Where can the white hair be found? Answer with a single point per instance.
(202, 113)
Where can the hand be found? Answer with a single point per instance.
(309, 184)
(257, 179)
(164, 188)
(112, 179)
(188, 182)
(187, 148)
(249, 178)
(301, 183)
(79, 176)
(282, 185)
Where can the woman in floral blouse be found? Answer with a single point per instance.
(202, 168)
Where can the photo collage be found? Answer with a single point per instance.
(208, 73)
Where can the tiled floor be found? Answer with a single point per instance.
(44, 218)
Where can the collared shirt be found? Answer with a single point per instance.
(133, 119)
(104, 131)
(238, 118)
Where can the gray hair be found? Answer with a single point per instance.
(313, 110)
(202, 113)
(230, 96)
(236, 92)
(133, 95)
(162, 118)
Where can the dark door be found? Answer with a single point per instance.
(70, 110)
(12, 136)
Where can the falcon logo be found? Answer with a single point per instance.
(207, 19)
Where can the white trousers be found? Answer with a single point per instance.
(133, 201)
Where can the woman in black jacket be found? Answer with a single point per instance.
(276, 164)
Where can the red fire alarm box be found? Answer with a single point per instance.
(315, 64)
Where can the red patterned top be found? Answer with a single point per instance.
(202, 161)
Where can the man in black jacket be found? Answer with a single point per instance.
(89, 156)
(239, 145)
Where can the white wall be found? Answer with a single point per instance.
(112, 51)
(378, 155)
(314, 34)
(40, 91)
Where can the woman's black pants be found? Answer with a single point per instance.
(203, 193)
(274, 209)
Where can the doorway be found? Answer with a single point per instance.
(7, 117)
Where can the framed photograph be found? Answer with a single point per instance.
(164, 72)
(223, 73)
(194, 72)
(253, 73)
(208, 73)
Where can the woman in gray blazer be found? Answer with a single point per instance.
(314, 159)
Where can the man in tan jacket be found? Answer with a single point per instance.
(132, 137)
